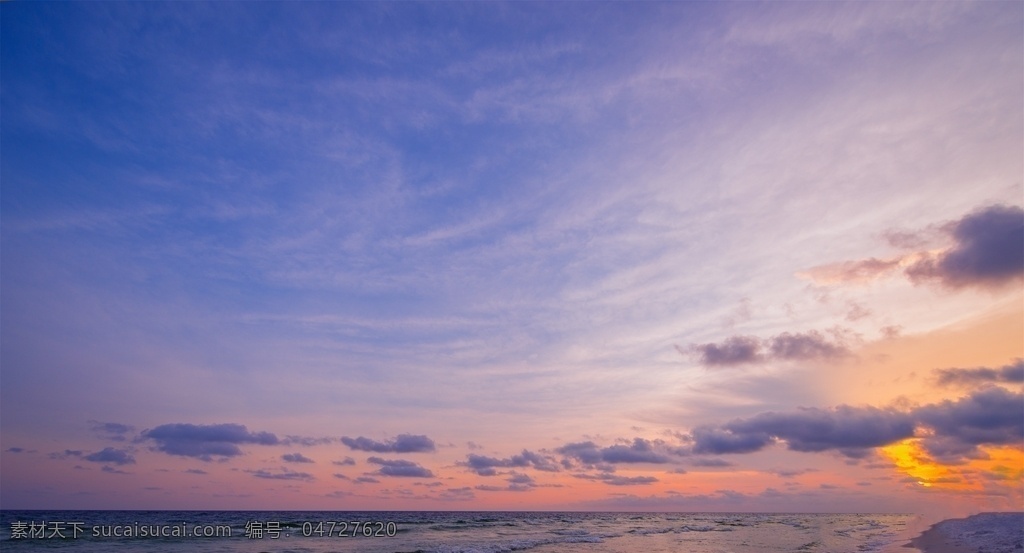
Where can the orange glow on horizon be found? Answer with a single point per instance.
(1000, 464)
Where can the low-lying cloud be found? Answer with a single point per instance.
(205, 442)
(111, 455)
(951, 430)
(400, 467)
(296, 458)
(618, 480)
(639, 451)
(485, 466)
(404, 443)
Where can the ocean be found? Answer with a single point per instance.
(448, 532)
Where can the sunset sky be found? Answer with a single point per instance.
(702, 256)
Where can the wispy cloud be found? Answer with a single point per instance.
(283, 474)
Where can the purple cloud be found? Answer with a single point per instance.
(518, 482)
(306, 441)
(988, 250)
(735, 350)
(205, 442)
(112, 430)
(842, 428)
(296, 458)
(990, 416)
(404, 443)
(400, 467)
(801, 346)
(111, 455)
(484, 466)
(639, 451)
(617, 480)
(285, 474)
(1011, 374)
(788, 346)
(67, 453)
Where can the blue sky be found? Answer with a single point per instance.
(496, 226)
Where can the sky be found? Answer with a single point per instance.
(680, 256)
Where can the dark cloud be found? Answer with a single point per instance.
(366, 480)
(736, 350)
(801, 346)
(306, 441)
(344, 462)
(988, 250)
(404, 443)
(206, 441)
(113, 470)
(717, 441)
(111, 455)
(296, 458)
(788, 346)
(285, 474)
(587, 452)
(842, 428)
(950, 431)
(617, 480)
(484, 466)
(400, 467)
(15, 449)
(1012, 374)
(639, 451)
(990, 416)
(195, 471)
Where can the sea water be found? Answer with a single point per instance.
(447, 532)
